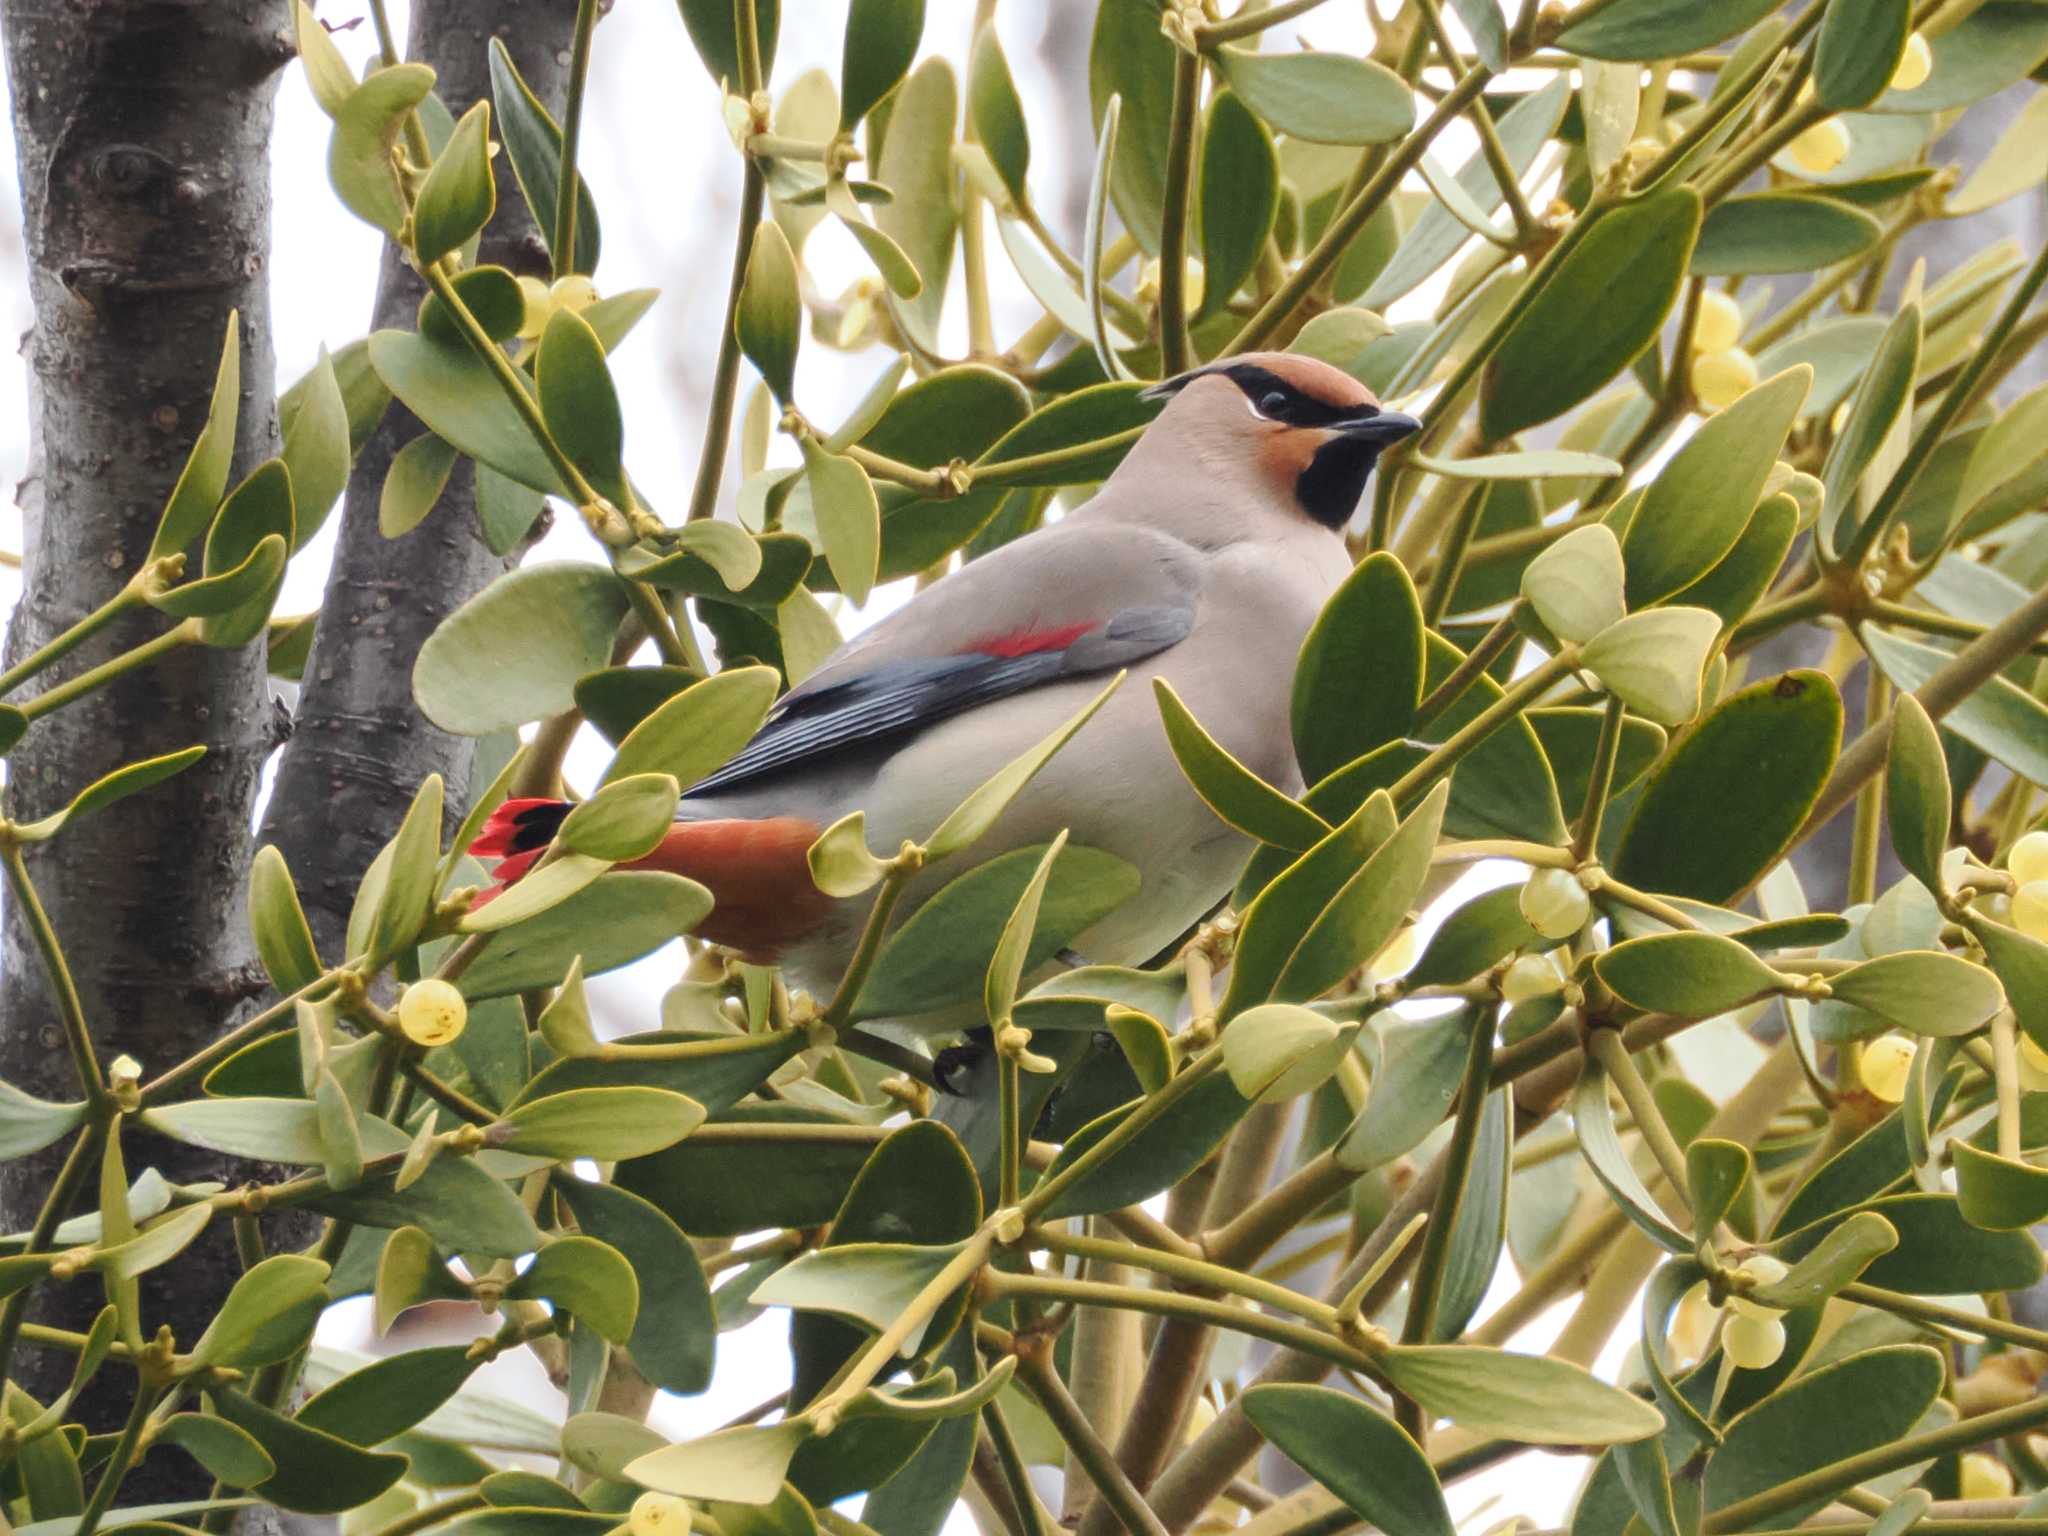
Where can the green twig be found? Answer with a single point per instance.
(1477, 660)
(1892, 499)
(1518, 696)
(1151, 1107)
(99, 676)
(1608, 1048)
(1036, 1519)
(1344, 227)
(64, 989)
(71, 639)
(1112, 1484)
(1173, 217)
(1426, 1288)
(118, 1463)
(725, 371)
(82, 1159)
(562, 248)
(1250, 22)
(1599, 783)
(1490, 146)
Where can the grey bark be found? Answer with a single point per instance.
(360, 748)
(143, 133)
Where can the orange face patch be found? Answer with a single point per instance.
(1283, 453)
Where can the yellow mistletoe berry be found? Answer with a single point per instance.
(1719, 325)
(1821, 148)
(1531, 976)
(574, 292)
(1692, 1326)
(1915, 65)
(432, 1012)
(659, 1514)
(1554, 903)
(1753, 1342)
(2028, 860)
(1984, 1476)
(1886, 1061)
(1719, 379)
(1759, 1269)
(538, 307)
(2030, 909)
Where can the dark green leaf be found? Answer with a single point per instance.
(1275, 923)
(1689, 836)
(2021, 964)
(463, 1207)
(881, 43)
(1999, 1193)
(1360, 673)
(1240, 198)
(616, 919)
(1939, 1253)
(1886, 386)
(1837, 1411)
(1696, 975)
(711, 23)
(579, 404)
(942, 954)
(1580, 331)
(1859, 48)
(996, 113)
(389, 1396)
(1780, 232)
(317, 1474)
(1236, 794)
(1356, 1452)
(267, 1316)
(1158, 1157)
(534, 144)
(459, 195)
(1131, 59)
(712, 1187)
(1716, 1172)
(675, 1335)
(769, 319)
(456, 394)
(1660, 29)
(1696, 509)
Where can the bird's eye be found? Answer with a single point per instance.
(1272, 403)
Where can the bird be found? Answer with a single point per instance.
(1203, 559)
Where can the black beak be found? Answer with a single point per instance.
(1382, 429)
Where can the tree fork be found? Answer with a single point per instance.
(360, 746)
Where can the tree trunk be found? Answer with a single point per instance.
(143, 133)
(360, 747)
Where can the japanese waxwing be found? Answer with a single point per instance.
(1203, 559)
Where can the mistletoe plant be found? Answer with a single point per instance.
(1791, 1156)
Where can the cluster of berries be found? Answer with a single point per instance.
(1721, 370)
